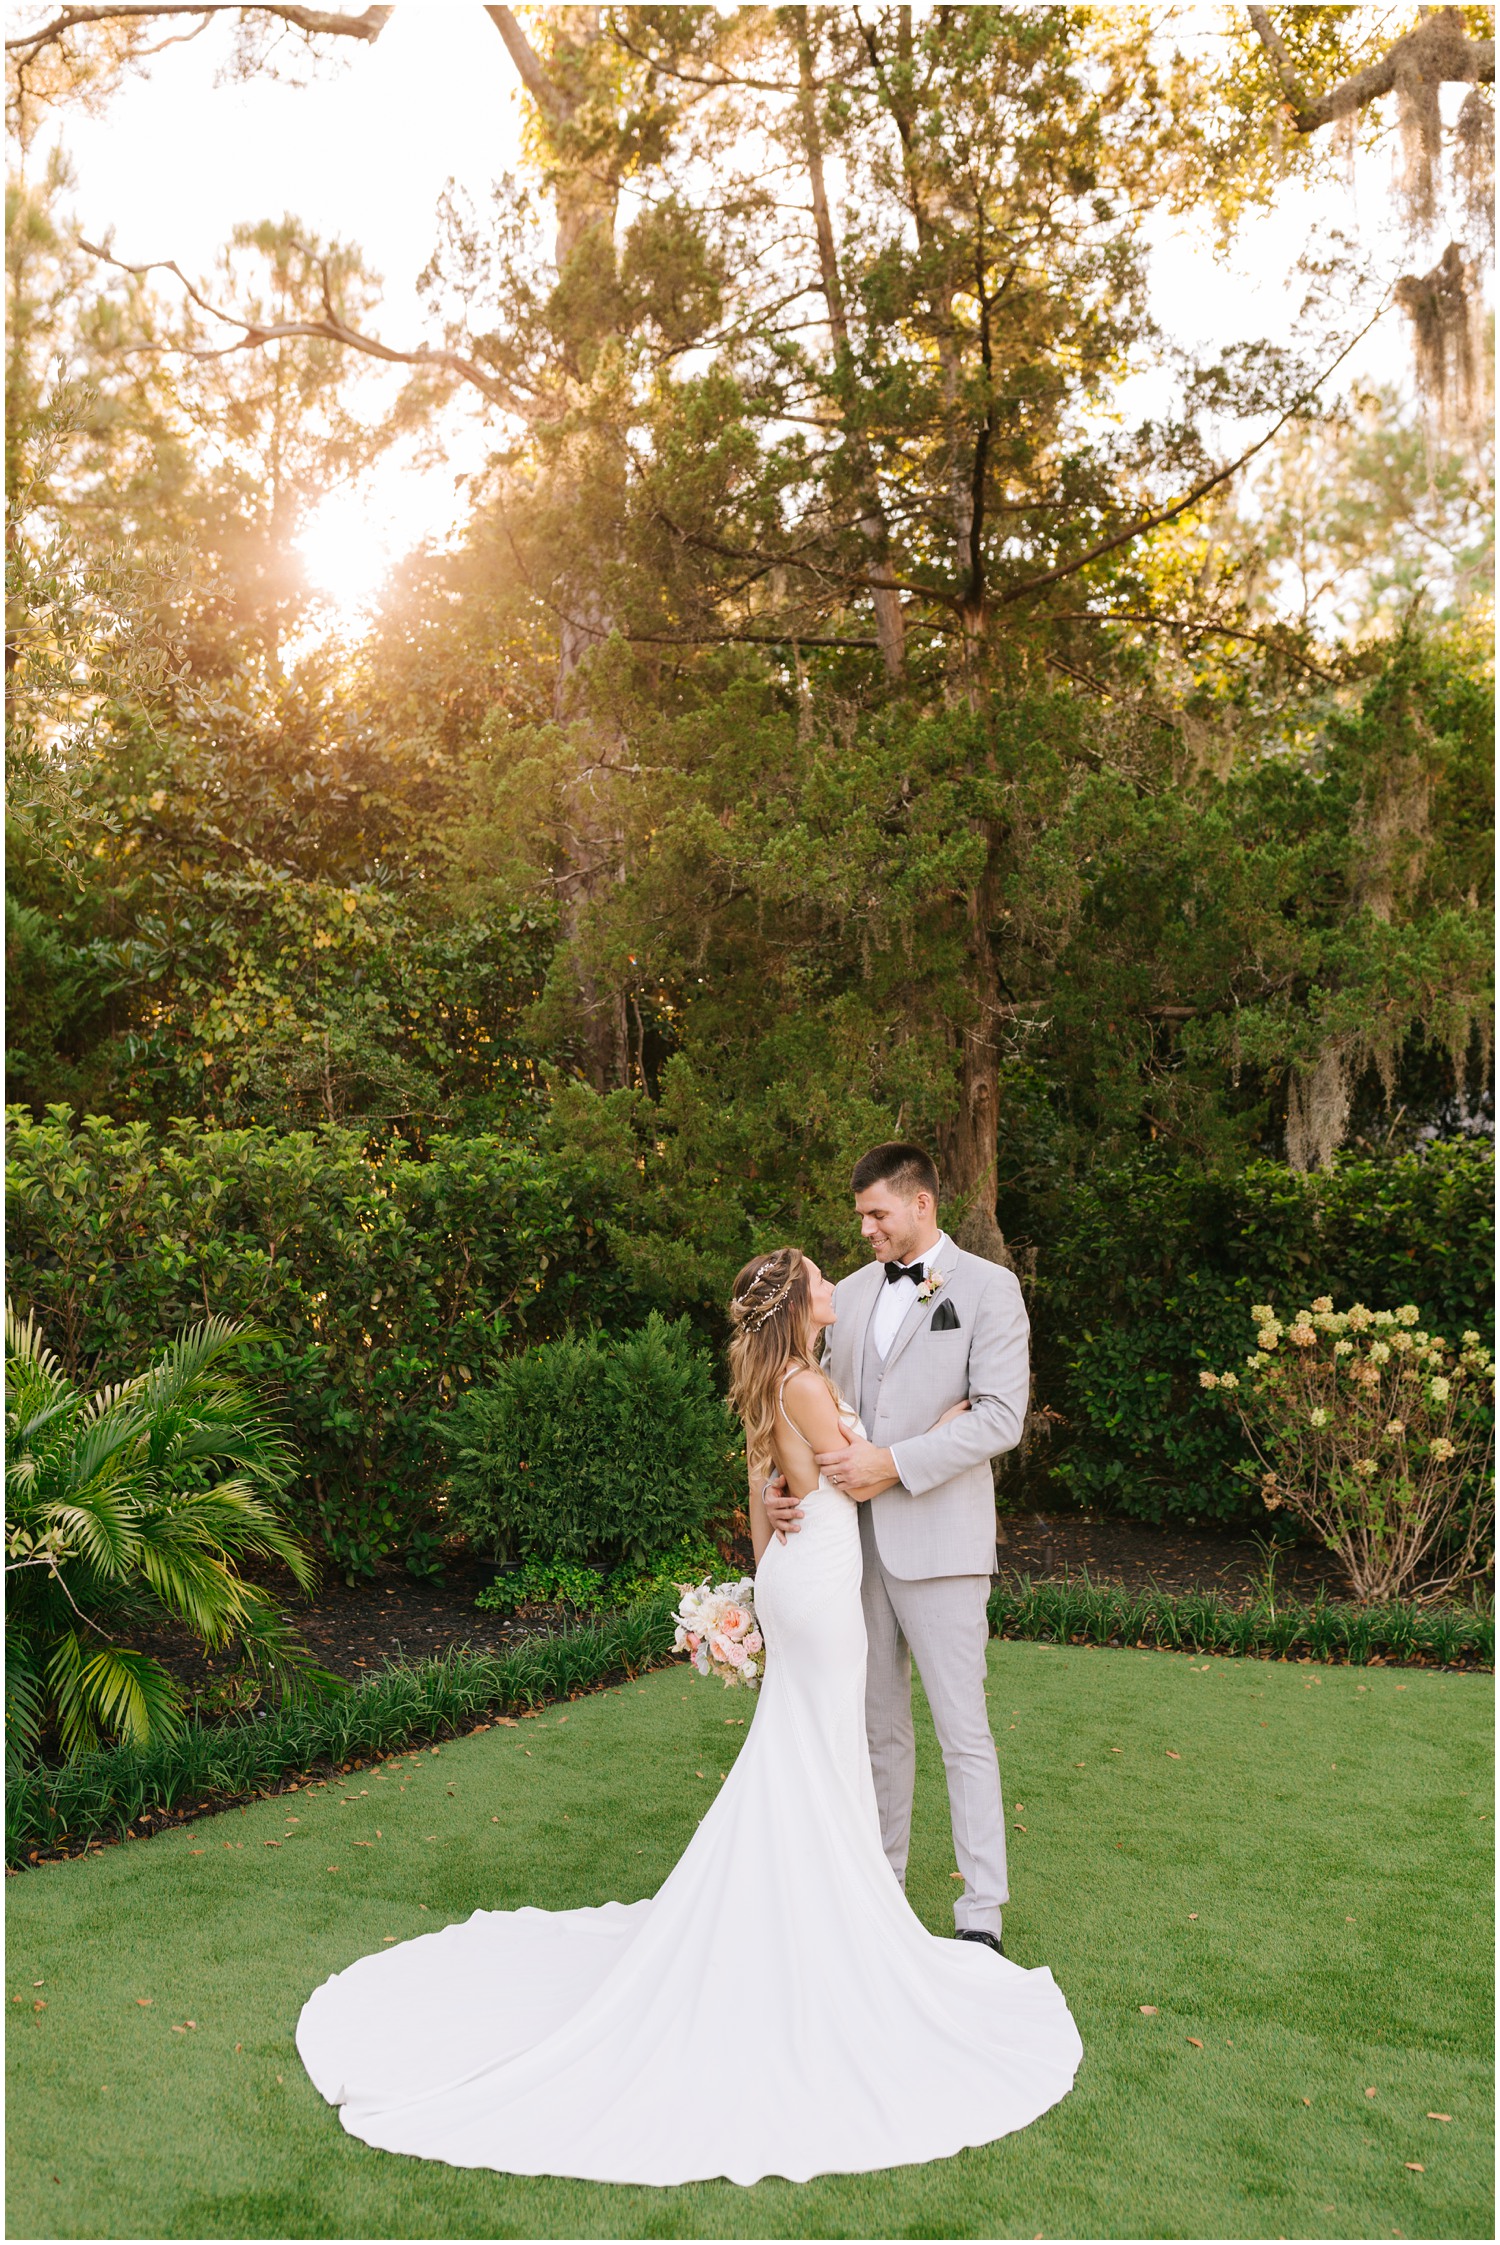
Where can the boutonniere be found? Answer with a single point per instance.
(929, 1286)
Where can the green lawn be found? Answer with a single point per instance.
(1292, 1864)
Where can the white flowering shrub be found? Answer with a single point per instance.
(1378, 1435)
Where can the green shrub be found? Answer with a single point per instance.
(1079, 1611)
(131, 1789)
(383, 1284)
(596, 1447)
(1146, 1275)
(561, 1582)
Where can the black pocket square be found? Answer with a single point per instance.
(944, 1319)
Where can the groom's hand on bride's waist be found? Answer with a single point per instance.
(859, 1469)
(783, 1510)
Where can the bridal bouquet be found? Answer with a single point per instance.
(716, 1628)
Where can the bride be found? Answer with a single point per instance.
(776, 2008)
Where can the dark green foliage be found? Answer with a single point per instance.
(110, 1793)
(1146, 1274)
(384, 1284)
(130, 1509)
(1079, 1611)
(562, 1582)
(596, 1446)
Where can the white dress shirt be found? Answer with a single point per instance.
(896, 1298)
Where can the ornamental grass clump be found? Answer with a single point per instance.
(1379, 1436)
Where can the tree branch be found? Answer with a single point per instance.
(528, 64)
(314, 21)
(1435, 50)
(1200, 490)
(330, 329)
(1189, 624)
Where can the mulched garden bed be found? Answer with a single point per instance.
(393, 1619)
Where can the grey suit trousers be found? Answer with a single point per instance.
(942, 1620)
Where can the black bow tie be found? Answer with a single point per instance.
(893, 1271)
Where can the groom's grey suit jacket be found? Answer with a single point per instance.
(940, 1519)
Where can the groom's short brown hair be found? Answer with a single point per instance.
(908, 1170)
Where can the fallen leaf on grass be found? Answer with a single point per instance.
(1414, 2164)
(1149, 2009)
(195, 1851)
(364, 1843)
(1020, 1828)
(955, 1874)
(40, 2004)
(145, 2001)
(1307, 2100)
(1193, 2039)
(1369, 2092)
(1440, 2116)
(1173, 1757)
(270, 1843)
(1191, 1915)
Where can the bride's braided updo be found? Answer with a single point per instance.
(768, 1314)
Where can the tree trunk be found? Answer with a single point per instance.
(890, 627)
(969, 1145)
(585, 195)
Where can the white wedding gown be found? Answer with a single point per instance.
(774, 2009)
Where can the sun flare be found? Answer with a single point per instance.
(348, 552)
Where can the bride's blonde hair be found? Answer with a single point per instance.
(768, 1313)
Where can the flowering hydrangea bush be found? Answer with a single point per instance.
(1377, 1434)
(716, 1628)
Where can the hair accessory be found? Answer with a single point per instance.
(754, 1319)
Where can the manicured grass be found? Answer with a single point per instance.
(1304, 1888)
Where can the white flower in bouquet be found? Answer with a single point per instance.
(716, 1628)
(1323, 1305)
(1438, 1390)
(1262, 1313)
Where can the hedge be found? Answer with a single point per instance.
(1082, 1612)
(210, 1766)
(389, 1284)
(125, 1790)
(1147, 1273)
(394, 1284)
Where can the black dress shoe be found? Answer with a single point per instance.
(990, 1940)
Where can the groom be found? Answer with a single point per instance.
(921, 1328)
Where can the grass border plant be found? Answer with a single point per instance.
(1079, 1611)
(115, 1794)
(129, 1793)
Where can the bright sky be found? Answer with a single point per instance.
(364, 150)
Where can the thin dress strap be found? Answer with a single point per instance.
(781, 1405)
(845, 1410)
